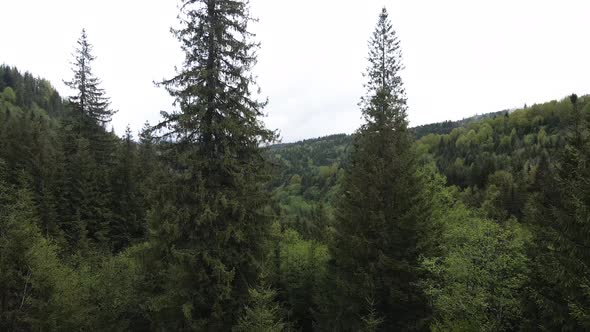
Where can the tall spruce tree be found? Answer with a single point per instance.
(208, 219)
(90, 101)
(382, 218)
(91, 150)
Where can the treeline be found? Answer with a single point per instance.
(200, 224)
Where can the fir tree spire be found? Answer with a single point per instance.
(382, 216)
(385, 98)
(90, 99)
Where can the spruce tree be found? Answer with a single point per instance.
(84, 207)
(262, 313)
(382, 219)
(90, 102)
(93, 210)
(91, 152)
(148, 162)
(127, 222)
(208, 219)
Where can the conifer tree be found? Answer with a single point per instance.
(559, 286)
(85, 207)
(262, 313)
(94, 202)
(371, 322)
(146, 152)
(208, 219)
(382, 219)
(149, 163)
(70, 186)
(127, 222)
(90, 153)
(90, 102)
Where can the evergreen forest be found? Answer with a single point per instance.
(204, 221)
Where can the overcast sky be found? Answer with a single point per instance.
(462, 57)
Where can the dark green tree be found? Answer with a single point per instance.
(90, 156)
(18, 233)
(29, 269)
(127, 223)
(208, 217)
(558, 213)
(146, 157)
(90, 102)
(94, 210)
(382, 217)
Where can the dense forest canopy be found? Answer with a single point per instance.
(202, 222)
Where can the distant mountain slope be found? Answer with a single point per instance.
(31, 92)
(446, 127)
(470, 153)
(329, 151)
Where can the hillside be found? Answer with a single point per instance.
(327, 151)
(27, 91)
(467, 152)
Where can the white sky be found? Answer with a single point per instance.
(462, 57)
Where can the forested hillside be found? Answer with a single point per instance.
(202, 222)
(492, 164)
(466, 152)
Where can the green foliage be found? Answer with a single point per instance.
(56, 217)
(516, 142)
(370, 322)
(496, 173)
(558, 296)
(209, 219)
(8, 95)
(89, 104)
(112, 288)
(478, 283)
(36, 290)
(445, 127)
(301, 275)
(262, 313)
(172, 231)
(29, 92)
(305, 183)
(127, 223)
(504, 196)
(382, 217)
